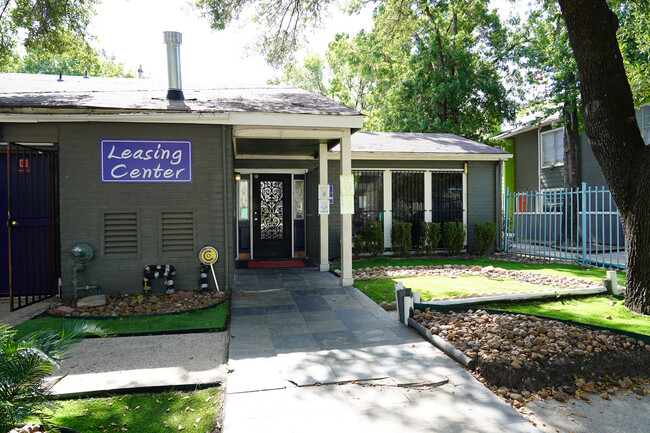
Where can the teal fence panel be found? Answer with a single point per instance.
(579, 226)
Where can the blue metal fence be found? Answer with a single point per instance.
(573, 225)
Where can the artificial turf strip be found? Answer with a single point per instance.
(204, 319)
(194, 411)
(560, 269)
(442, 286)
(589, 310)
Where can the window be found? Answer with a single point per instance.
(408, 201)
(553, 200)
(553, 147)
(447, 197)
(368, 198)
(299, 199)
(243, 199)
(643, 118)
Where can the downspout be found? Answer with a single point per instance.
(225, 208)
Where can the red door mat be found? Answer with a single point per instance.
(276, 264)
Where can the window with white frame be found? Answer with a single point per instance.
(553, 147)
(643, 118)
(553, 200)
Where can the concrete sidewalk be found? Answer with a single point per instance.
(325, 358)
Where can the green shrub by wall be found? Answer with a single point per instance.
(453, 238)
(401, 238)
(430, 237)
(357, 245)
(373, 238)
(485, 233)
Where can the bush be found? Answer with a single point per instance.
(430, 237)
(453, 237)
(401, 238)
(25, 362)
(485, 234)
(374, 238)
(357, 245)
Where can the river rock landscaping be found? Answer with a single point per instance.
(519, 356)
(131, 305)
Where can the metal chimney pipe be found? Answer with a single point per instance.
(173, 41)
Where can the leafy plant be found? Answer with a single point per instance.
(401, 238)
(430, 237)
(25, 362)
(357, 245)
(485, 233)
(374, 238)
(453, 237)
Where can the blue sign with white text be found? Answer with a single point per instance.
(146, 161)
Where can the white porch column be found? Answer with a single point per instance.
(346, 219)
(324, 265)
(428, 200)
(388, 206)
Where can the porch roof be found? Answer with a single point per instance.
(434, 144)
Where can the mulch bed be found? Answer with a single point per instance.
(132, 305)
(519, 355)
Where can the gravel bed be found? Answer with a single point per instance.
(522, 357)
(131, 305)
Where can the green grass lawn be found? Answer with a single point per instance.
(592, 311)
(441, 286)
(194, 411)
(559, 269)
(210, 318)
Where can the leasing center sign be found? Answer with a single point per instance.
(146, 161)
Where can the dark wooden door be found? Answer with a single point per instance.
(272, 216)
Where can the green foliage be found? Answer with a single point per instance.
(374, 238)
(25, 362)
(43, 25)
(357, 245)
(453, 237)
(401, 238)
(78, 58)
(485, 233)
(425, 67)
(430, 237)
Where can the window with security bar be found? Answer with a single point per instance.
(643, 118)
(368, 198)
(447, 197)
(408, 201)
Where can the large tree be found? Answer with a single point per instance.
(41, 24)
(78, 58)
(613, 133)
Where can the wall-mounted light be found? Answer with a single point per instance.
(237, 176)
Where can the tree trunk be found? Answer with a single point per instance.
(570, 159)
(613, 133)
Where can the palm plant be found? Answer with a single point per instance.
(25, 362)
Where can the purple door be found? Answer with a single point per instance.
(29, 236)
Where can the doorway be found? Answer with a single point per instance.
(272, 216)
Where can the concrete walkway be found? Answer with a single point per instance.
(309, 355)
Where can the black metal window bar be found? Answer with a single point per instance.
(368, 199)
(447, 196)
(408, 201)
(32, 224)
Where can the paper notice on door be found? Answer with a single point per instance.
(323, 192)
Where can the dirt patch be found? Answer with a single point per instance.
(133, 305)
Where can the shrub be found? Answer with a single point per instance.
(485, 234)
(453, 237)
(401, 238)
(374, 238)
(430, 237)
(357, 245)
(25, 362)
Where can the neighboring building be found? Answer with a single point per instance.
(148, 180)
(539, 151)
